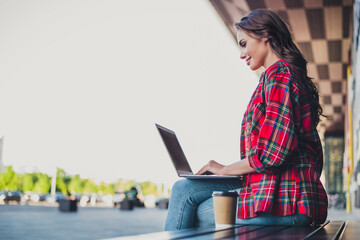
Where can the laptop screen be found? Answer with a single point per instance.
(173, 146)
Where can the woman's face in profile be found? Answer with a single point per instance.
(253, 50)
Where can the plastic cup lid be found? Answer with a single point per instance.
(224, 193)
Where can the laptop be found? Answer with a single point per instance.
(178, 158)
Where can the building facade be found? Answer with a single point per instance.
(352, 168)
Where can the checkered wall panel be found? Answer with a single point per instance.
(322, 30)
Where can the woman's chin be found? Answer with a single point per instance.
(254, 68)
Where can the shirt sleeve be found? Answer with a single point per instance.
(277, 138)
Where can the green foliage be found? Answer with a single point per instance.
(27, 182)
(75, 184)
(106, 188)
(123, 185)
(110, 189)
(10, 180)
(41, 183)
(60, 181)
(89, 186)
(148, 188)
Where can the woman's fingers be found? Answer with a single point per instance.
(212, 166)
(202, 170)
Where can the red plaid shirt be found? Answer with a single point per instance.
(283, 146)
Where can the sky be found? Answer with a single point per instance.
(82, 84)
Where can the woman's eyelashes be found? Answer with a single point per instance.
(242, 43)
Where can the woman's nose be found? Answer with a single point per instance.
(242, 55)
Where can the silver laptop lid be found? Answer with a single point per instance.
(174, 149)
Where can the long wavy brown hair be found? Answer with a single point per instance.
(263, 23)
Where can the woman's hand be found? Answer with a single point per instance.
(238, 168)
(213, 167)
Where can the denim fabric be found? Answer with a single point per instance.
(187, 195)
(191, 205)
(267, 219)
(205, 217)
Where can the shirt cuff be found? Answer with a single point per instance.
(258, 165)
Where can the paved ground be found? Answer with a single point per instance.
(336, 214)
(40, 222)
(47, 222)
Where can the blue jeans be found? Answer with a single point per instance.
(191, 205)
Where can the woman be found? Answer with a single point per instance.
(281, 153)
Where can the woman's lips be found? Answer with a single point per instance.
(248, 61)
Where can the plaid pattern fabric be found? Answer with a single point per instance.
(284, 147)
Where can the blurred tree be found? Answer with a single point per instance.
(60, 181)
(89, 186)
(102, 188)
(10, 180)
(27, 182)
(123, 185)
(43, 183)
(110, 188)
(106, 188)
(148, 188)
(76, 185)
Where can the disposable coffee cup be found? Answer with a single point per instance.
(224, 208)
